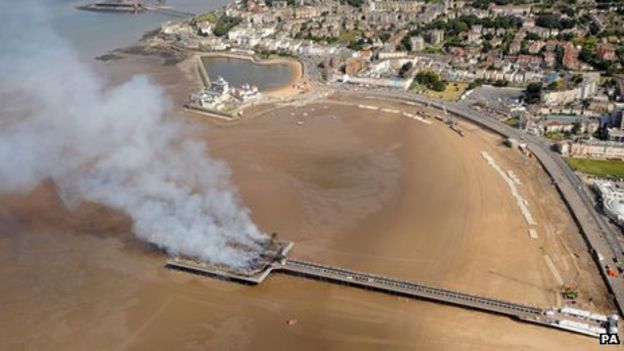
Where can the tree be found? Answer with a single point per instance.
(404, 69)
(577, 79)
(533, 93)
(475, 83)
(548, 20)
(224, 24)
(500, 83)
(569, 11)
(532, 36)
(431, 80)
(460, 26)
(487, 46)
(576, 127)
(384, 36)
(355, 3)
(438, 85)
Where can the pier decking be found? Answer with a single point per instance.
(584, 323)
(255, 276)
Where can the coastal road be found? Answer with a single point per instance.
(600, 237)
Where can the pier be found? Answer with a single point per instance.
(137, 6)
(168, 11)
(568, 319)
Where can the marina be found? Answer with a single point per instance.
(240, 71)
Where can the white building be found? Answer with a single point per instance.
(585, 90)
(594, 149)
(417, 42)
(612, 197)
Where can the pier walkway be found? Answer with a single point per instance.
(406, 288)
(168, 11)
(582, 322)
(568, 319)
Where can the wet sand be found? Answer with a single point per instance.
(358, 188)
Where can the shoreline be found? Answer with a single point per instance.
(302, 192)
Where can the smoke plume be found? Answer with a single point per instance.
(111, 146)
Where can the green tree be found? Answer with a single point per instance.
(431, 80)
(533, 93)
(224, 24)
(548, 20)
(404, 69)
(576, 127)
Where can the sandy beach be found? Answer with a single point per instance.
(364, 189)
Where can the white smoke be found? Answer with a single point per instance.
(111, 146)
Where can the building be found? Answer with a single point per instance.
(473, 37)
(567, 124)
(417, 43)
(585, 90)
(305, 12)
(279, 4)
(550, 59)
(536, 46)
(605, 52)
(615, 134)
(570, 56)
(511, 10)
(354, 65)
(592, 148)
(435, 36)
(384, 55)
(403, 6)
(379, 82)
(612, 198)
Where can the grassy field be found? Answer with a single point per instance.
(452, 92)
(209, 16)
(349, 36)
(599, 168)
(556, 136)
(512, 122)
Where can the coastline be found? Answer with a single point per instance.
(305, 191)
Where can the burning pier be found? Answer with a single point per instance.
(274, 259)
(275, 253)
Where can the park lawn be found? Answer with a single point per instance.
(209, 16)
(349, 36)
(452, 92)
(512, 122)
(555, 136)
(599, 168)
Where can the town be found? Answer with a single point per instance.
(441, 173)
(560, 63)
(550, 68)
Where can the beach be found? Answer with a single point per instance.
(363, 189)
